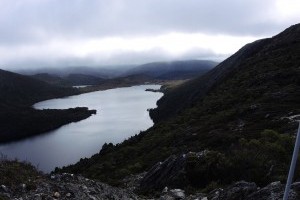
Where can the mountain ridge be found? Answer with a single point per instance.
(183, 69)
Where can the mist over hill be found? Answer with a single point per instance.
(156, 71)
(174, 69)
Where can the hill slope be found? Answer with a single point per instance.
(237, 121)
(51, 79)
(81, 79)
(19, 120)
(173, 70)
(69, 80)
(268, 60)
(19, 89)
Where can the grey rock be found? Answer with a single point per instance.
(177, 193)
(23, 186)
(274, 190)
(166, 197)
(69, 186)
(165, 190)
(239, 190)
(56, 195)
(249, 191)
(4, 188)
(68, 195)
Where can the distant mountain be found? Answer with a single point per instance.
(19, 89)
(131, 79)
(174, 70)
(19, 120)
(98, 76)
(51, 79)
(236, 122)
(81, 79)
(127, 81)
(69, 80)
(104, 72)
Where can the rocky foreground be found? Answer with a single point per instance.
(69, 186)
(21, 181)
(66, 186)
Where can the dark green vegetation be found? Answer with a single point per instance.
(51, 79)
(126, 81)
(82, 79)
(19, 120)
(23, 90)
(238, 111)
(174, 70)
(22, 122)
(93, 83)
(13, 173)
(69, 80)
(268, 69)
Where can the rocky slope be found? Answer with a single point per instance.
(29, 184)
(21, 181)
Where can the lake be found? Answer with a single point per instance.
(121, 113)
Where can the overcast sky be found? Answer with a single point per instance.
(58, 33)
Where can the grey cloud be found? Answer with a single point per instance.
(202, 54)
(119, 58)
(34, 20)
(30, 22)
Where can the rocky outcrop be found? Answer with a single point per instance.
(241, 190)
(237, 191)
(172, 194)
(167, 173)
(172, 172)
(248, 191)
(170, 176)
(275, 190)
(69, 186)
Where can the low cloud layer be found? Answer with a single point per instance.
(36, 33)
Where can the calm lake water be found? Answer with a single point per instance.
(121, 113)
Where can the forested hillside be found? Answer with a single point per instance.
(19, 120)
(242, 114)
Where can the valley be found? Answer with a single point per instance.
(150, 114)
(236, 113)
(19, 92)
(113, 122)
